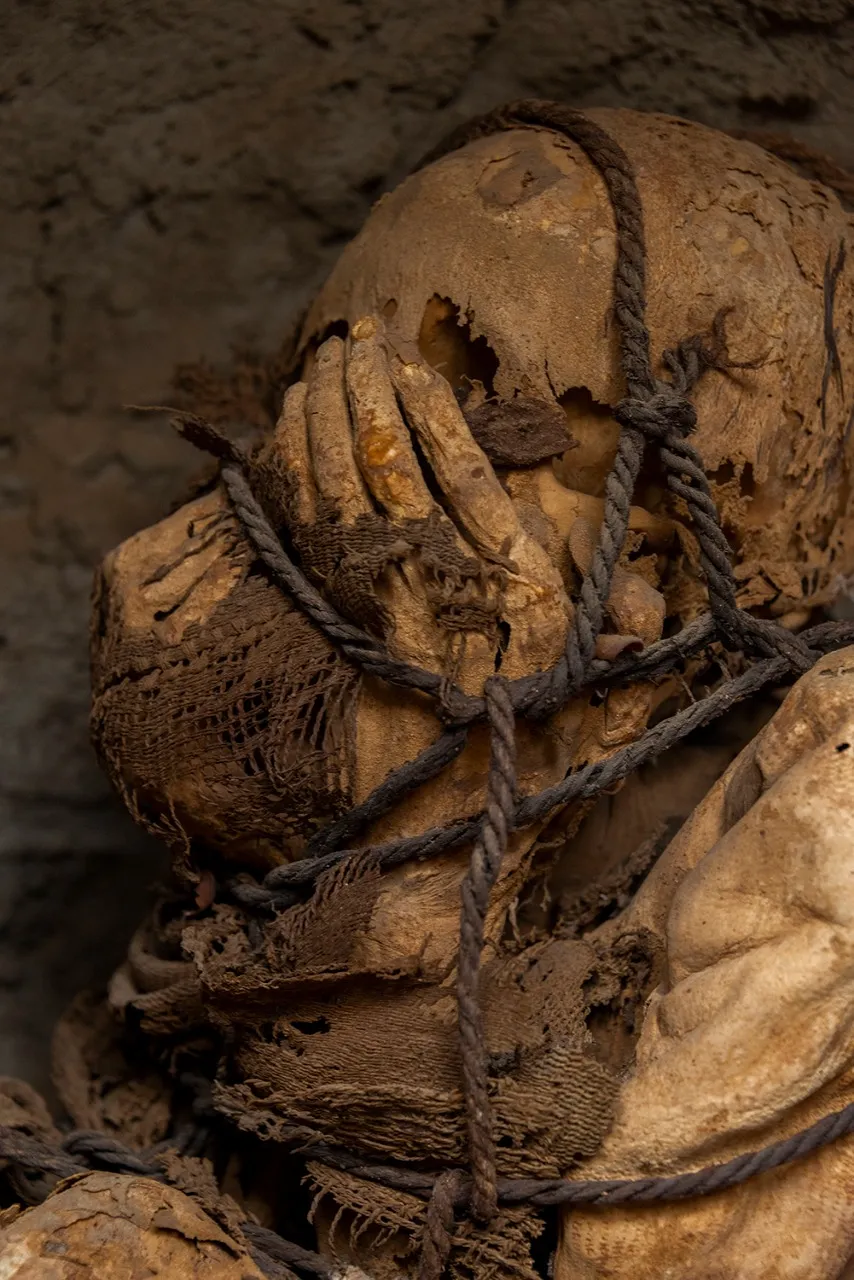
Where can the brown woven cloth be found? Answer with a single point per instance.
(250, 713)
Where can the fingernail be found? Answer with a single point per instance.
(364, 328)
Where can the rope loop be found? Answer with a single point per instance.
(665, 413)
(652, 412)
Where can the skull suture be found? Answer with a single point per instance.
(478, 294)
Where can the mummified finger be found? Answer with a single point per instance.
(383, 447)
(443, 581)
(460, 466)
(289, 447)
(330, 436)
(535, 603)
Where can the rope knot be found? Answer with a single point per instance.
(773, 639)
(455, 708)
(660, 415)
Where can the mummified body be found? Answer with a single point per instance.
(439, 466)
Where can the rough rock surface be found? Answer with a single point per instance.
(175, 179)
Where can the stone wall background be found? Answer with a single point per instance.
(175, 178)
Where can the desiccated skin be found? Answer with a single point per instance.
(521, 243)
(484, 278)
(107, 1226)
(747, 1039)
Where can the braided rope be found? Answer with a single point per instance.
(106, 1152)
(583, 783)
(439, 1225)
(446, 1192)
(544, 1193)
(653, 412)
(484, 867)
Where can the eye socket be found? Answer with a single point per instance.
(445, 341)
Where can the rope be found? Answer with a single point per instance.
(446, 1192)
(439, 1225)
(486, 859)
(84, 1150)
(654, 413)
(544, 1193)
(583, 783)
